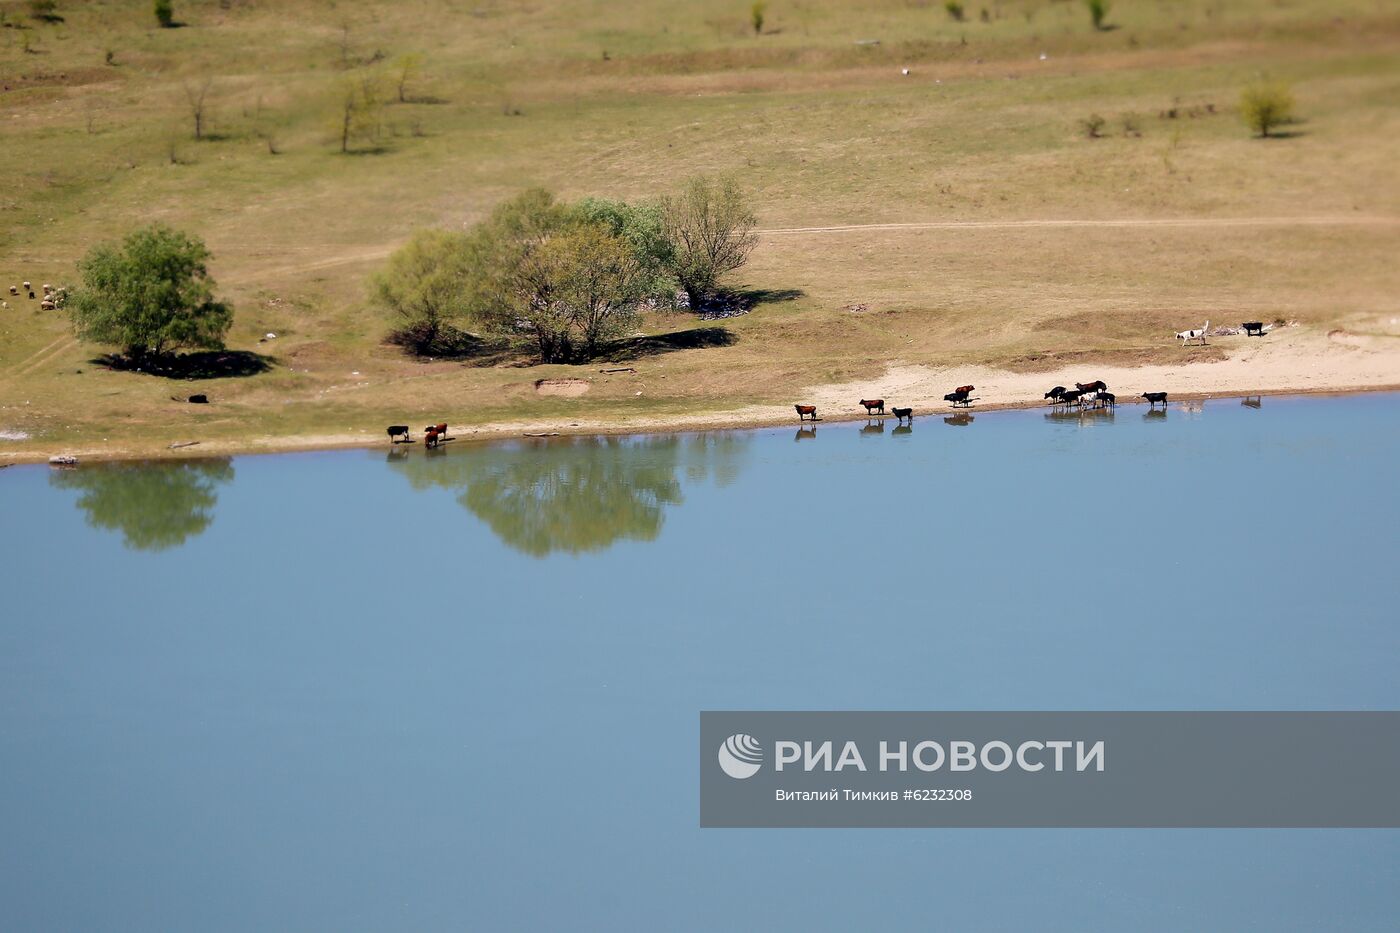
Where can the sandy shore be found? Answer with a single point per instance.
(1286, 361)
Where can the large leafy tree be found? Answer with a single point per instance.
(150, 296)
(711, 232)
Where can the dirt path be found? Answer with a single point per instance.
(1341, 220)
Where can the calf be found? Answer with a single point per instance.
(430, 439)
(957, 398)
(397, 431)
(803, 411)
(1107, 399)
(1186, 336)
(873, 404)
(439, 429)
(1055, 393)
(902, 413)
(1155, 397)
(1098, 385)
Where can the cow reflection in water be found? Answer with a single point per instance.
(155, 506)
(578, 494)
(872, 428)
(1155, 414)
(961, 420)
(805, 434)
(902, 430)
(1252, 401)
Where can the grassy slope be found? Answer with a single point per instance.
(821, 129)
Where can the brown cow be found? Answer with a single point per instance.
(873, 404)
(430, 439)
(964, 390)
(441, 429)
(1098, 385)
(804, 410)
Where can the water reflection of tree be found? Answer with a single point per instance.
(579, 494)
(154, 505)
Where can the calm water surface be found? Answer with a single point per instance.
(410, 691)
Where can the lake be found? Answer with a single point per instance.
(459, 689)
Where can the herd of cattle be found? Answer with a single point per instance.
(1084, 395)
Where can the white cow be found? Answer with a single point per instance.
(1186, 336)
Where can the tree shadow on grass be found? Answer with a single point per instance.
(204, 364)
(450, 343)
(752, 297)
(698, 338)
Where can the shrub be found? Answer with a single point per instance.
(1266, 106)
(756, 15)
(1092, 126)
(1098, 12)
(165, 13)
(710, 229)
(955, 10)
(424, 282)
(46, 11)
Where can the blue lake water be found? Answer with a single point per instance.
(460, 690)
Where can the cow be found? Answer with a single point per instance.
(957, 398)
(902, 413)
(1186, 336)
(965, 390)
(430, 439)
(439, 429)
(804, 410)
(1107, 399)
(200, 399)
(1055, 393)
(1154, 397)
(1098, 385)
(1070, 396)
(873, 404)
(397, 431)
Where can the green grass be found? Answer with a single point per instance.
(820, 129)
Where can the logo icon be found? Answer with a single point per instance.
(741, 756)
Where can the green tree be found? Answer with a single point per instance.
(406, 69)
(955, 10)
(710, 229)
(1098, 12)
(643, 227)
(165, 13)
(425, 283)
(151, 295)
(577, 290)
(359, 111)
(1265, 106)
(756, 15)
(155, 506)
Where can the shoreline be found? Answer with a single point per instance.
(502, 431)
(1291, 361)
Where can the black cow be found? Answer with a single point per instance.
(902, 413)
(1055, 393)
(1155, 397)
(397, 431)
